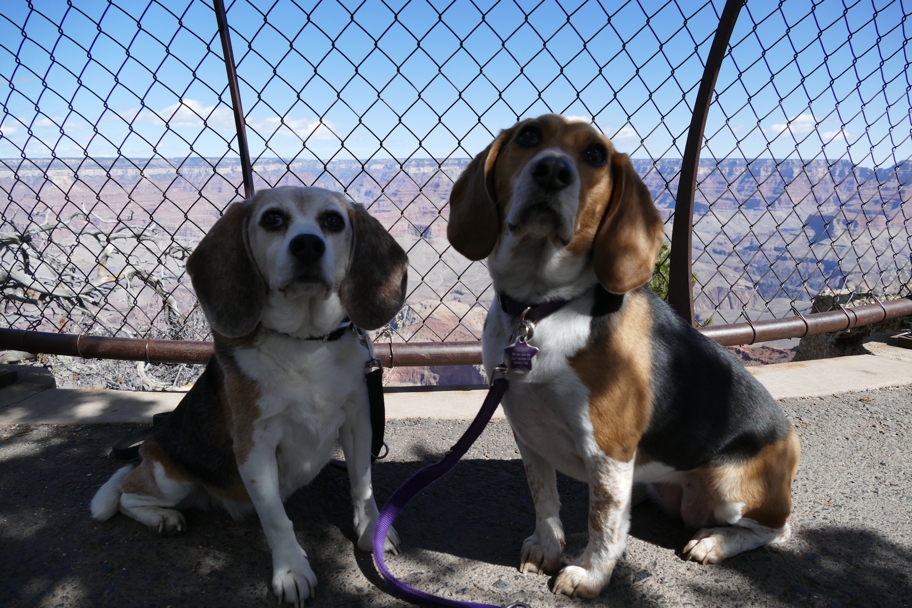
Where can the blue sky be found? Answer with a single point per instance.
(336, 80)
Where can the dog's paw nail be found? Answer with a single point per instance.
(704, 550)
(574, 582)
(392, 543)
(538, 557)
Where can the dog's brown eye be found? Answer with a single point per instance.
(529, 137)
(332, 222)
(272, 220)
(596, 155)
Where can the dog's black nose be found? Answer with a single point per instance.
(307, 247)
(552, 173)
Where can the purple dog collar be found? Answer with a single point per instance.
(529, 313)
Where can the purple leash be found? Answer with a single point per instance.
(418, 482)
(517, 357)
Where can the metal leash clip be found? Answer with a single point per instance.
(518, 356)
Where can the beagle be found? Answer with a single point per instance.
(277, 277)
(620, 390)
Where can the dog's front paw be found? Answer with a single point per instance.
(576, 581)
(705, 547)
(294, 584)
(712, 545)
(366, 540)
(167, 521)
(540, 556)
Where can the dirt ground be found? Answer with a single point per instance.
(852, 542)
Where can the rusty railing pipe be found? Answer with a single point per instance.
(398, 354)
(817, 323)
(102, 347)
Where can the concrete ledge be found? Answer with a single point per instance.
(887, 345)
(442, 405)
(74, 406)
(34, 400)
(832, 376)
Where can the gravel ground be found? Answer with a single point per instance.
(852, 542)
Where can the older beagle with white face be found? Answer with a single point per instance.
(276, 277)
(621, 389)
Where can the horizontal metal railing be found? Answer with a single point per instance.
(398, 354)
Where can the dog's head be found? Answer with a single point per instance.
(550, 181)
(288, 249)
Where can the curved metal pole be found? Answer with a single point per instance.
(240, 124)
(680, 292)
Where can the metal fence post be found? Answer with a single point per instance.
(680, 292)
(240, 124)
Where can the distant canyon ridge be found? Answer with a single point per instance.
(768, 234)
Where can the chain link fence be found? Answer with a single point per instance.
(118, 147)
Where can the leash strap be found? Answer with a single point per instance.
(374, 381)
(418, 482)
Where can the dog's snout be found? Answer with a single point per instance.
(552, 173)
(307, 247)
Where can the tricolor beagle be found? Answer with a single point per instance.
(621, 390)
(276, 277)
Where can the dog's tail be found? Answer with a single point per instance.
(104, 504)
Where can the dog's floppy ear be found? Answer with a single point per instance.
(475, 214)
(374, 288)
(230, 289)
(630, 233)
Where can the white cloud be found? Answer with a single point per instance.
(800, 125)
(626, 132)
(291, 127)
(829, 136)
(190, 113)
(8, 130)
(806, 123)
(67, 123)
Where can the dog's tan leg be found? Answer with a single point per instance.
(754, 497)
(541, 552)
(293, 580)
(355, 437)
(610, 487)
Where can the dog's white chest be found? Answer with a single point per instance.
(308, 389)
(548, 405)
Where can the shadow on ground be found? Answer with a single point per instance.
(461, 538)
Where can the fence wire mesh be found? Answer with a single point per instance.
(118, 147)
